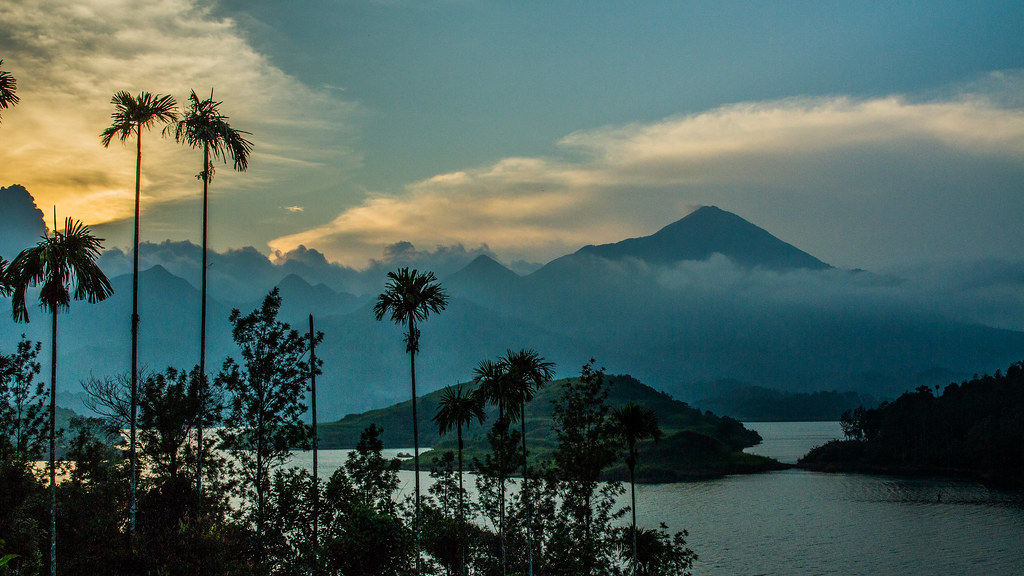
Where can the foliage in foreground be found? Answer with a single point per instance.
(257, 517)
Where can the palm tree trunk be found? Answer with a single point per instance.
(632, 497)
(133, 481)
(316, 444)
(462, 515)
(202, 335)
(53, 448)
(415, 436)
(501, 482)
(526, 493)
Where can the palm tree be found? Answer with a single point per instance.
(5, 288)
(635, 423)
(131, 115)
(8, 89)
(203, 126)
(493, 388)
(56, 263)
(527, 372)
(408, 298)
(456, 409)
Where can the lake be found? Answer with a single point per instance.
(809, 523)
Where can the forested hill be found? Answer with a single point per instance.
(396, 420)
(973, 429)
(695, 445)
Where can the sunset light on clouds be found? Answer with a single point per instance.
(366, 134)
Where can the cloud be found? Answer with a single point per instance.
(858, 182)
(70, 56)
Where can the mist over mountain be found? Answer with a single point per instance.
(707, 231)
(706, 298)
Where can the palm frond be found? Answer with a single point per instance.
(8, 89)
(58, 263)
(203, 126)
(133, 113)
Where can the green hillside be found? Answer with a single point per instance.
(696, 444)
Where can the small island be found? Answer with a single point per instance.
(696, 445)
(974, 429)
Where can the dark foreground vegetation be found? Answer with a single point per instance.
(249, 513)
(973, 429)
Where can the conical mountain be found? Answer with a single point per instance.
(484, 275)
(300, 298)
(710, 230)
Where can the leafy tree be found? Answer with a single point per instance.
(364, 534)
(266, 393)
(8, 89)
(132, 114)
(203, 126)
(57, 263)
(374, 478)
(168, 416)
(656, 553)
(635, 423)
(408, 299)
(22, 416)
(92, 503)
(586, 446)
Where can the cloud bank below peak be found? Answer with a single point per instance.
(860, 182)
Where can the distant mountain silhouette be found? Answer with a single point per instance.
(710, 230)
(484, 276)
(664, 308)
(299, 297)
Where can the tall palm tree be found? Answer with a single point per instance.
(409, 298)
(456, 409)
(132, 114)
(635, 423)
(8, 89)
(494, 388)
(203, 126)
(527, 372)
(56, 264)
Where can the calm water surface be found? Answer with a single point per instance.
(795, 522)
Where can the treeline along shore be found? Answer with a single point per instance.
(972, 429)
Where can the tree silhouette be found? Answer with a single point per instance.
(22, 404)
(56, 264)
(635, 423)
(267, 388)
(132, 114)
(456, 409)
(8, 89)
(203, 126)
(409, 298)
(493, 388)
(527, 372)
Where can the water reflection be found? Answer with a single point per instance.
(797, 522)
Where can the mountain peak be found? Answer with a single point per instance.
(706, 231)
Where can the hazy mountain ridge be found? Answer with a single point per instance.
(671, 313)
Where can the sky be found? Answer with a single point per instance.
(871, 134)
